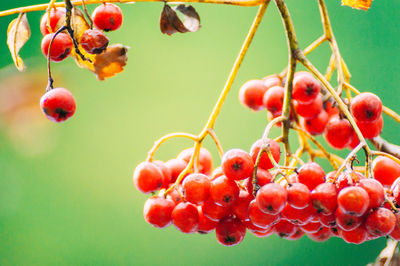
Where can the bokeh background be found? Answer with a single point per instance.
(66, 194)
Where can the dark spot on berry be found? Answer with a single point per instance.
(202, 232)
(230, 239)
(270, 208)
(281, 234)
(227, 198)
(237, 166)
(65, 54)
(369, 113)
(61, 113)
(310, 90)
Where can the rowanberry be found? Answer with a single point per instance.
(285, 228)
(206, 225)
(196, 188)
(230, 231)
(310, 109)
(147, 177)
(251, 94)
(338, 132)
(347, 221)
(311, 227)
(205, 159)
(58, 104)
(61, 47)
(260, 218)
(224, 191)
(370, 129)
(107, 17)
(395, 234)
(353, 200)
(271, 198)
(322, 235)
(311, 174)
(316, 125)
(265, 162)
(240, 208)
(366, 107)
(185, 217)
(324, 198)
(94, 41)
(355, 236)
(213, 211)
(376, 193)
(273, 99)
(237, 164)
(385, 170)
(176, 166)
(298, 216)
(57, 18)
(166, 173)
(157, 211)
(298, 195)
(380, 222)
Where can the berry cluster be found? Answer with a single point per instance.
(58, 104)
(307, 201)
(317, 116)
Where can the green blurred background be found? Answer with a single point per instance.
(66, 194)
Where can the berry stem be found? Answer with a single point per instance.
(214, 137)
(351, 156)
(50, 78)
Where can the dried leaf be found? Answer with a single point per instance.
(170, 23)
(111, 61)
(104, 65)
(358, 4)
(18, 33)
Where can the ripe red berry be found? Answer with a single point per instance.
(57, 17)
(58, 104)
(185, 217)
(237, 164)
(271, 198)
(316, 125)
(61, 47)
(353, 200)
(205, 159)
(298, 195)
(206, 225)
(395, 189)
(330, 109)
(147, 177)
(322, 235)
(265, 162)
(107, 17)
(355, 236)
(346, 221)
(309, 110)
(327, 220)
(94, 41)
(311, 174)
(385, 170)
(354, 141)
(157, 211)
(213, 211)
(224, 191)
(305, 88)
(380, 222)
(251, 94)
(376, 193)
(240, 207)
(173, 195)
(230, 231)
(324, 198)
(338, 132)
(366, 107)
(371, 129)
(273, 99)
(395, 234)
(260, 218)
(285, 228)
(196, 188)
(348, 178)
(166, 173)
(311, 227)
(176, 166)
(298, 216)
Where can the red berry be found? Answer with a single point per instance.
(395, 189)
(355, 236)
(237, 164)
(338, 132)
(61, 47)
(305, 88)
(273, 99)
(251, 94)
(173, 195)
(330, 109)
(371, 129)
(217, 172)
(298, 216)
(376, 193)
(311, 174)
(354, 141)
(259, 218)
(395, 234)
(346, 221)
(309, 110)
(57, 17)
(316, 125)
(311, 227)
(58, 104)
(230, 231)
(157, 211)
(323, 198)
(298, 195)
(224, 191)
(271, 81)
(206, 225)
(240, 207)
(147, 177)
(271, 198)
(166, 173)
(265, 162)
(297, 235)
(348, 178)
(107, 17)
(263, 177)
(380, 222)
(264, 233)
(185, 217)
(327, 220)
(366, 107)
(353, 200)
(205, 159)
(285, 228)
(322, 235)
(176, 166)
(94, 41)
(385, 170)
(213, 211)
(196, 188)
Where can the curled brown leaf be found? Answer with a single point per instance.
(170, 23)
(18, 33)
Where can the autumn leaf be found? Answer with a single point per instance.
(170, 23)
(18, 33)
(358, 4)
